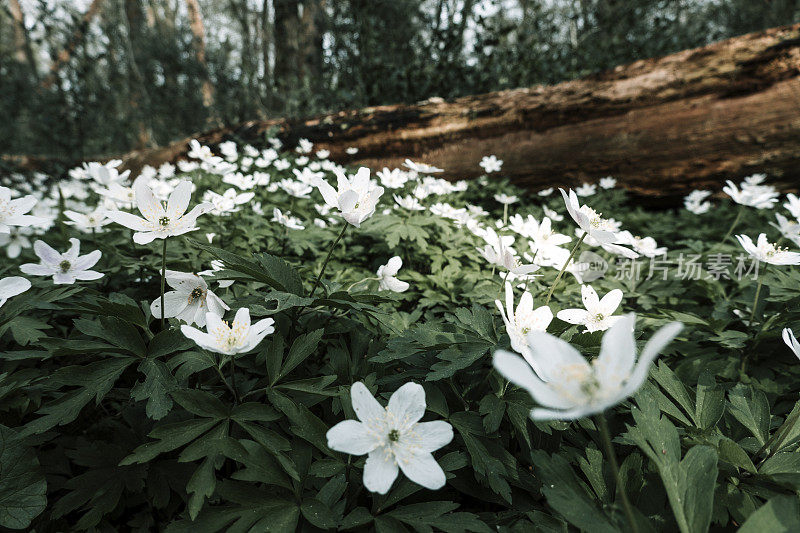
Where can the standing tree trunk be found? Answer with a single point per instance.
(199, 43)
(22, 43)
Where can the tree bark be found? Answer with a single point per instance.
(22, 44)
(199, 43)
(662, 126)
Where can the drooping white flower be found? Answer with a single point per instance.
(355, 198)
(307, 175)
(768, 252)
(608, 182)
(590, 221)
(351, 150)
(409, 202)
(752, 194)
(421, 168)
(286, 219)
(506, 199)
(393, 437)
(567, 386)
(490, 164)
(524, 320)
(239, 180)
(598, 314)
(105, 173)
(546, 192)
(239, 337)
(386, 276)
(12, 286)
(13, 212)
(65, 268)
(791, 341)
(190, 300)
(160, 221)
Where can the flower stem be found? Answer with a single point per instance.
(755, 301)
(733, 226)
(163, 279)
(328, 258)
(563, 268)
(779, 436)
(612, 458)
(505, 214)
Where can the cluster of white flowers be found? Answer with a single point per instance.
(155, 205)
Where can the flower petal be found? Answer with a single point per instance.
(422, 468)
(353, 437)
(407, 405)
(179, 200)
(367, 408)
(380, 471)
(433, 435)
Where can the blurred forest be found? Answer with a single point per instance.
(82, 78)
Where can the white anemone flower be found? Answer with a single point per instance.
(409, 202)
(791, 341)
(767, 252)
(386, 276)
(506, 199)
(351, 150)
(587, 189)
(190, 300)
(608, 182)
(295, 188)
(13, 212)
(645, 246)
(239, 337)
(88, 222)
(105, 174)
(601, 229)
(393, 438)
(356, 197)
(392, 179)
(546, 192)
(567, 386)
(217, 266)
(16, 241)
(524, 320)
(65, 268)
(599, 314)
(793, 205)
(160, 222)
(490, 164)
(695, 202)
(286, 219)
(12, 286)
(421, 168)
(752, 194)
(790, 229)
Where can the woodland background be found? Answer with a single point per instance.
(83, 78)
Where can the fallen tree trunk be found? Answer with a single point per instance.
(662, 126)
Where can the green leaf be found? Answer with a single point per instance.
(710, 401)
(781, 514)
(751, 409)
(301, 348)
(319, 514)
(155, 389)
(22, 484)
(565, 494)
